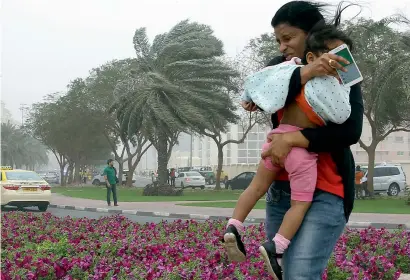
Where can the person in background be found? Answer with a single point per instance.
(172, 174)
(169, 177)
(358, 186)
(111, 182)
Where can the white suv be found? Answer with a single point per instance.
(388, 178)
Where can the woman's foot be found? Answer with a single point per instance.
(269, 255)
(233, 245)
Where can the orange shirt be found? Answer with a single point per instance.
(359, 175)
(328, 178)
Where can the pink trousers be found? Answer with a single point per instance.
(300, 164)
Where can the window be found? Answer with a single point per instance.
(242, 160)
(23, 176)
(380, 172)
(241, 176)
(242, 153)
(252, 136)
(386, 171)
(253, 160)
(250, 175)
(228, 153)
(242, 146)
(253, 145)
(400, 153)
(262, 135)
(254, 153)
(398, 139)
(394, 171)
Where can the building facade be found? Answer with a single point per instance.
(395, 148)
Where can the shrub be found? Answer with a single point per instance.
(155, 189)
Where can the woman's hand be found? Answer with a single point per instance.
(279, 149)
(249, 106)
(326, 64)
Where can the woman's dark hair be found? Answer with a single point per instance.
(306, 14)
(319, 37)
(300, 14)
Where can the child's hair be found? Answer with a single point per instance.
(320, 35)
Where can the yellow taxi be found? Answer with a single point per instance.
(23, 188)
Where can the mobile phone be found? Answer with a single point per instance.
(353, 75)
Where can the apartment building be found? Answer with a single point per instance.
(395, 148)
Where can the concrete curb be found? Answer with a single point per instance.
(208, 217)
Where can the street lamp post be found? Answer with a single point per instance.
(22, 108)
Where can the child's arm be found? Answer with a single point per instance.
(269, 87)
(256, 190)
(329, 98)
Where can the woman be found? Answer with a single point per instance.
(310, 249)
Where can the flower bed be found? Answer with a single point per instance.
(46, 247)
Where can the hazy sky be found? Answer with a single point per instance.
(47, 43)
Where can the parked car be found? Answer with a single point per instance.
(125, 176)
(209, 177)
(23, 188)
(241, 181)
(50, 177)
(191, 179)
(99, 180)
(388, 178)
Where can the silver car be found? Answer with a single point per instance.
(191, 179)
(388, 178)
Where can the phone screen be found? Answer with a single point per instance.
(353, 72)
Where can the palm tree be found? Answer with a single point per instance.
(181, 81)
(18, 149)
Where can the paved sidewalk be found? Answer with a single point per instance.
(170, 209)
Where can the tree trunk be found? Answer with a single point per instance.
(162, 159)
(219, 168)
(62, 177)
(371, 152)
(77, 176)
(120, 170)
(70, 173)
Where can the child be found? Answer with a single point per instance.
(323, 99)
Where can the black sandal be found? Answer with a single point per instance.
(269, 255)
(233, 245)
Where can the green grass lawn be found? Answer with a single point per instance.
(135, 194)
(383, 206)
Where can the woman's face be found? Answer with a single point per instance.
(291, 40)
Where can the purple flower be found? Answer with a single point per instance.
(44, 246)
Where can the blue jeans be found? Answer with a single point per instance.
(310, 249)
